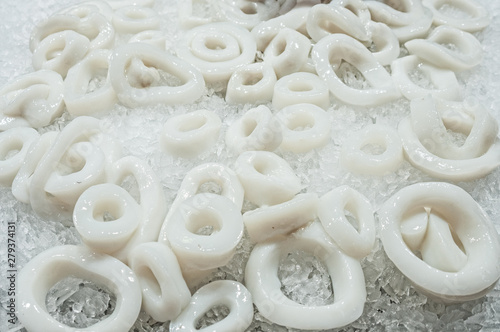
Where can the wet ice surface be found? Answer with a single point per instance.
(392, 303)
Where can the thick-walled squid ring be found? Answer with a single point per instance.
(95, 206)
(298, 88)
(191, 87)
(16, 140)
(354, 159)
(331, 212)
(57, 263)
(304, 127)
(228, 293)
(164, 291)
(205, 48)
(60, 51)
(267, 178)
(32, 100)
(83, 96)
(256, 130)
(444, 82)
(328, 54)
(478, 16)
(252, 83)
(261, 279)
(198, 251)
(188, 135)
(478, 156)
(466, 53)
(134, 19)
(474, 230)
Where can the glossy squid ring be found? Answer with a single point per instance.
(252, 83)
(188, 135)
(32, 100)
(57, 263)
(135, 74)
(298, 88)
(217, 49)
(460, 248)
(228, 293)
(261, 278)
(355, 159)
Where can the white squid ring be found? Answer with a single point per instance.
(385, 42)
(331, 213)
(433, 50)
(78, 99)
(18, 140)
(267, 222)
(134, 19)
(470, 223)
(444, 81)
(87, 8)
(328, 54)
(481, 141)
(298, 88)
(200, 48)
(261, 279)
(324, 20)
(32, 100)
(256, 130)
(267, 178)
(89, 217)
(57, 263)
(192, 83)
(252, 83)
(479, 18)
(188, 135)
(93, 25)
(36, 151)
(117, 4)
(354, 159)
(227, 293)
(164, 291)
(152, 37)
(412, 20)
(60, 51)
(304, 127)
(287, 52)
(204, 252)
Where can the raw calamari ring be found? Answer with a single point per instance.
(477, 16)
(256, 130)
(185, 231)
(481, 153)
(106, 217)
(304, 127)
(60, 51)
(287, 52)
(408, 19)
(87, 87)
(252, 83)
(217, 49)
(443, 82)
(228, 293)
(188, 135)
(354, 159)
(269, 221)
(57, 263)
(14, 146)
(448, 48)
(261, 279)
(164, 291)
(32, 100)
(267, 178)
(332, 209)
(329, 53)
(136, 72)
(298, 88)
(467, 229)
(135, 19)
